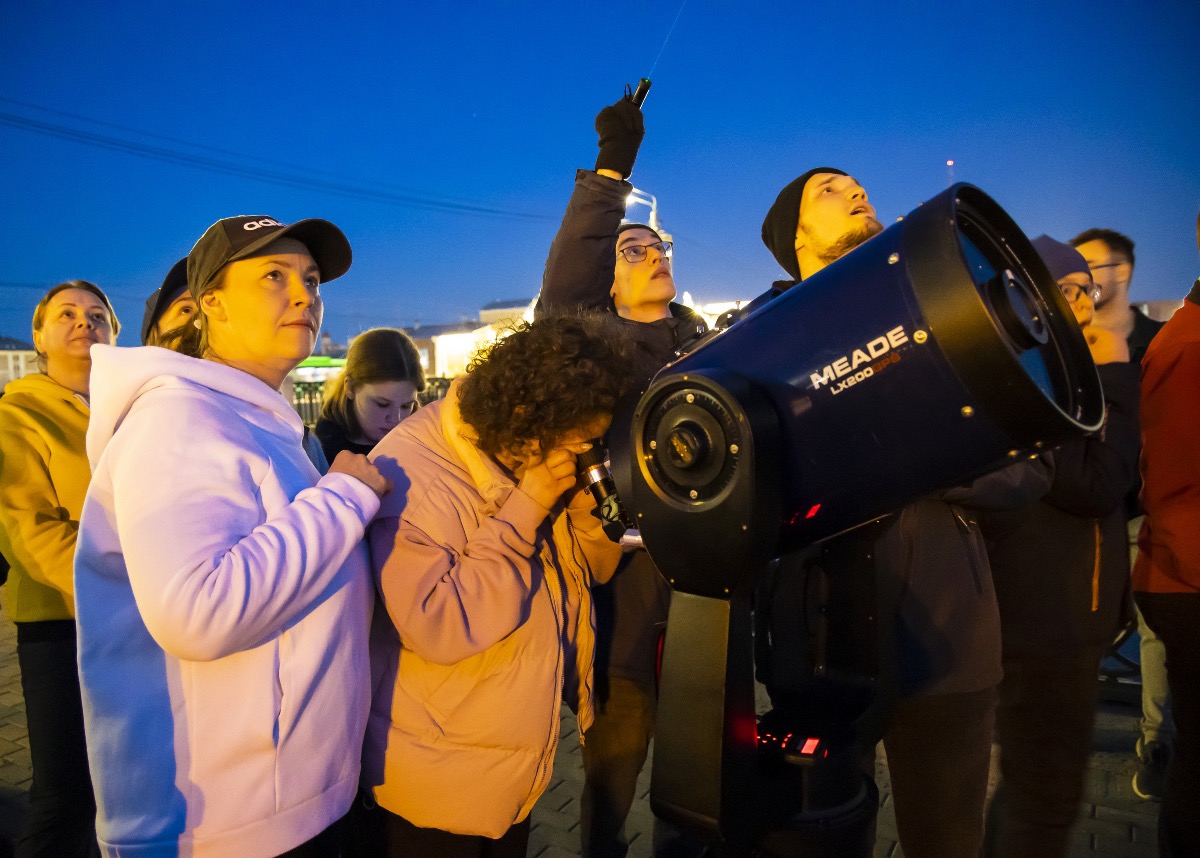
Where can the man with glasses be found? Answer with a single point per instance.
(598, 263)
(1109, 255)
(1061, 572)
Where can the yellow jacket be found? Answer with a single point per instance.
(44, 476)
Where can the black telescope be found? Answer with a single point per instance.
(935, 352)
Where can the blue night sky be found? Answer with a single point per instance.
(443, 137)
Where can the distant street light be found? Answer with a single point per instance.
(647, 200)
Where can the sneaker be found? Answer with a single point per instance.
(1151, 774)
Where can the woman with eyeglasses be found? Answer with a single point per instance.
(44, 474)
(1061, 571)
(377, 389)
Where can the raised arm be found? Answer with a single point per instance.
(579, 267)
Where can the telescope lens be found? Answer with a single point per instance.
(689, 439)
(1017, 308)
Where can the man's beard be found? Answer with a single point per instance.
(828, 253)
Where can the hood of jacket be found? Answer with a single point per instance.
(492, 483)
(41, 386)
(121, 375)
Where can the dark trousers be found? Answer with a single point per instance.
(327, 844)
(62, 807)
(1044, 721)
(1175, 618)
(614, 751)
(364, 831)
(405, 840)
(938, 751)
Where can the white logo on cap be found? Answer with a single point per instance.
(259, 224)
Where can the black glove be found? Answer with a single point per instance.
(621, 129)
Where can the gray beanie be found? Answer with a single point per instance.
(1061, 259)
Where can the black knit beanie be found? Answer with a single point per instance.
(629, 224)
(779, 226)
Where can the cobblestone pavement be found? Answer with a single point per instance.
(1112, 822)
(15, 773)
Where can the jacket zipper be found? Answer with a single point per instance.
(1096, 571)
(587, 679)
(558, 681)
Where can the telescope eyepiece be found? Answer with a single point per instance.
(688, 445)
(598, 480)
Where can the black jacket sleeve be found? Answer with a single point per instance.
(1011, 487)
(579, 269)
(1093, 474)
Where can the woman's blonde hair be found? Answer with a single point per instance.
(380, 354)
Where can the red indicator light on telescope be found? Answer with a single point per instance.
(809, 746)
(816, 508)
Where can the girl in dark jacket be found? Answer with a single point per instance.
(377, 389)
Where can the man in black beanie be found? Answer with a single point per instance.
(931, 552)
(809, 227)
(596, 262)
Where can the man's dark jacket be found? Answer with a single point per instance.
(632, 608)
(1061, 566)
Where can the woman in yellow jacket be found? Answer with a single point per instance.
(44, 475)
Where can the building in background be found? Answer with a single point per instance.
(17, 359)
(501, 314)
(1160, 310)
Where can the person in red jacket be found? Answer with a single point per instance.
(1166, 578)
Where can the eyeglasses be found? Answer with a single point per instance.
(1103, 265)
(637, 252)
(1072, 292)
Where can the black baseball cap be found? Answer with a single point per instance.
(233, 238)
(161, 298)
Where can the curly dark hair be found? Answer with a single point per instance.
(546, 379)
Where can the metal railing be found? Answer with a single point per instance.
(306, 396)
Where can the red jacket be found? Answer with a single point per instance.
(1169, 544)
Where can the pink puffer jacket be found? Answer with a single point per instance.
(490, 627)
